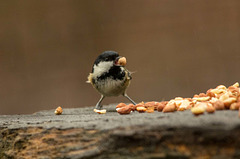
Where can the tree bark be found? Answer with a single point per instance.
(81, 133)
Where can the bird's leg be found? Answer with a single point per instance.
(125, 95)
(98, 105)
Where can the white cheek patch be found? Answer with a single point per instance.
(101, 68)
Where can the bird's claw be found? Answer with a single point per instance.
(98, 107)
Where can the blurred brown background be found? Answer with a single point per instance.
(176, 47)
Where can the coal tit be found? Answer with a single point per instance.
(109, 77)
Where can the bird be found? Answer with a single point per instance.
(109, 76)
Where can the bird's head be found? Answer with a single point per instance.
(106, 60)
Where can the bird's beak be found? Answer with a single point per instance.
(116, 62)
(120, 61)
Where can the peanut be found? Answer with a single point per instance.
(170, 107)
(200, 99)
(210, 109)
(151, 104)
(120, 105)
(124, 110)
(161, 105)
(103, 111)
(122, 61)
(141, 109)
(184, 105)
(58, 111)
(229, 101)
(210, 94)
(235, 106)
(236, 84)
(218, 105)
(150, 109)
(197, 110)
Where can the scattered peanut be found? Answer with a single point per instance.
(170, 107)
(186, 104)
(161, 105)
(133, 107)
(150, 109)
(151, 104)
(58, 111)
(229, 101)
(219, 98)
(120, 105)
(210, 94)
(218, 105)
(124, 110)
(141, 109)
(235, 106)
(197, 110)
(103, 111)
(210, 109)
(201, 99)
(236, 84)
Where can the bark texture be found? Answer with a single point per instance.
(81, 133)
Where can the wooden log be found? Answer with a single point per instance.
(82, 133)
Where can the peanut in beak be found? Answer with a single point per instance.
(122, 61)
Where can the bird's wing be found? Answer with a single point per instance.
(89, 78)
(128, 74)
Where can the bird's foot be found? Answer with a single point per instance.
(98, 107)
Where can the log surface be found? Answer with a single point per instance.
(82, 133)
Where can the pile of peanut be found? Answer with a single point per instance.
(219, 98)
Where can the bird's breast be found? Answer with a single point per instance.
(112, 82)
(111, 87)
